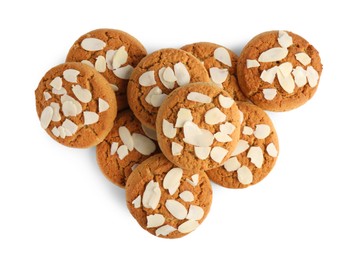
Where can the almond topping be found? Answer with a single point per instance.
(262, 131)
(176, 149)
(256, 155)
(195, 136)
(71, 75)
(143, 144)
(227, 128)
(222, 55)
(155, 220)
(312, 76)
(303, 58)
(119, 58)
(186, 196)
(252, 64)
(83, 94)
(225, 102)
(284, 39)
(195, 213)
(218, 154)
(151, 195)
(90, 117)
(92, 44)
(126, 137)
(241, 146)
(218, 75)
(123, 72)
(232, 164)
(199, 97)
(137, 202)
(46, 117)
(272, 150)
(165, 230)
(114, 146)
(244, 175)
(100, 64)
(176, 209)
(247, 130)
(223, 138)
(181, 73)
(56, 83)
(269, 93)
(168, 129)
(172, 180)
(188, 226)
(147, 79)
(214, 116)
(273, 54)
(184, 115)
(103, 105)
(122, 151)
(202, 152)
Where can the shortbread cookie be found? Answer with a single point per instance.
(255, 154)
(124, 148)
(221, 64)
(113, 53)
(279, 70)
(156, 76)
(198, 126)
(168, 201)
(76, 105)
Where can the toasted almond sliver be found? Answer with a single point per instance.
(88, 63)
(303, 58)
(222, 55)
(181, 74)
(202, 152)
(151, 195)
(70, 126)
(109, 57)
(123, 72)
(218, 154)
(300, 76)
(195, 213)
(119, 58)
(126, 137)
(269, 93)
(286, 82)
(262, 131)
(225, 102)
(169, 85)
(176, 208)
(46, 95)
(247, 130)
(84, 95)
(153, 92)
(90, 117)
(244, 175)
(195, 180)
(92, 44)
(227, 128)
(232, 164)
(155, 220)
(176, 149)
(143, 144)
(100, 64)
(199, 97)
(147, 79)
(171, 181)
(188, 226)
(284, 39)
(165, 230)
(71, 75)
(187, 196)
(272, 150)
(184, 115)
(252, 63)
(168, 129)
(273, 54)
(46, 117)
(256, 155)
(218, 75)
(157, 100)
(223, 138)
(312, 76)
(113, 148)
(286, 68)
(269, 75)
(56, 116)
(241, 146)
(122, 151)
(56, 83)
(168, 75)
(55, 131)
(103, 105)
(137, 202)
(214, 116)
(77, 105)
(62, 91)
(62, 132)
(69, 108)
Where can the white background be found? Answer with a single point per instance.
(56, 204)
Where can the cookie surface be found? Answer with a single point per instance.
(255, 154)
(198, 126)
(165, 200)
(124, 148)
(220, 63)
(76, 105)
(156, 76)
(113, 53)
(279, 70)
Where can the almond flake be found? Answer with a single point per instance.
(247, 130)
(71, 75)
(126, 137)
(56, 83)
(227, 128)
(232, 164)
(195, 136)
(62, 131)
(169, 85)
(269, 75)
(202, 152)
(155, 220)
(70, 126)
(269, 93)
(272, 150)
(88, 63)
(222, 55)
(244, 175)
(312, 76)
(154, 91)
(262, 131)
(256, 155)
(300, 76)
(77, 105)
(176, 149)
(168, 129)
(69, 109)
(176, 209)
(241, 116)
(147, 79)
(284, 39)
(286, 68)
(114, 87)
(123, 72)
(113, 148)
(241, 146)
(137, 202)
(225, 102)
(119, 58)
(184, 115)
(92, 44)
(90, 117)
(150, 133)
(214, 116)
(67, 132)
(168, 75)
(56, 116)
(188, 226)
(143, 144)
(46, 116)
(187, 196)
(199, 97)
(151, 195)
(195, 180)
(83, 94)
(218, 75)
(165, 230)
(62, 91)
(100, 64)
(109, 57)
(157, 100)
(218, 154)
(172, 179)
(122, 151)
(46, 95)
(273, 54)
(103, 105)
(181, 73)
(55, 131)
(287, 83)
(221, 137)
(252, 64)
(303, 58)
(195, 213)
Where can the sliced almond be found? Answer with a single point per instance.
(123, 72)
(244, 175)
(195, 213)
(69, 108)
(88, 63)
(286, 68)
(269, 75)
(113, 148)
(218, 75)
(149, 132)
(247, 130)
(119, 58)
(232, 164)
(137, 202)
(176, 209)
(84, 95)
(62, 132)
(165, 230)
(241, 116)
(68, 133)
(272, 150)
(46, 116)
(147, 79)
(222, 138)
(168, 129)
(46, 95)
(168, 75)
(100, 64)
(287, 83)
(184, 115)
(241, 146)
(312, 76)
(222, 55)
(92, 44)
(273, 54)
(70, 126)
(109, 57)
(143, 144)
(56, 116)
(157, 100)
(114, 87)
(155, 220)
(186, 196)
(303, 58)
(225, 102)
(172, 179)
(103, 105)
(199, 97)
(151, 195)
(284, 39)
(300, 76)
(181, 73)
(256, 155)
(90, 117)
(71, 75)
(77, 105)
(62, 91)
(202, 152)
(227, 128)
(56, 83)
(122, 151)
(218, 154)
(269, 93)
(176, 149)
(55, 131)
(126, 137)
(252, 63)
(195, 136)
(262, 131)
(169, 85)
(153, 92)
(195, 180)
(188, 226)
(214, 116)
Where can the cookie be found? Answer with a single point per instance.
(124, 148)
(156, 76)
(168, 201)
(255, 154)
(279, 70)
(113, 53)
(221, 64)
(76, 105)
(198, 126)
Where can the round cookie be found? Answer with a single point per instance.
(255, 154)
(168, 201)
(198, 126)
(76, 105)
(124, 148)
(156, 76)
(279, 70)
(113, 53)
(221, 64)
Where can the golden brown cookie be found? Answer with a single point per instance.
(221, 64)
(76, 105)
(124, 148)
(198, 126)
(255, 154)
(113, 53)
(168, 201)
(156, 76)
(279, 70)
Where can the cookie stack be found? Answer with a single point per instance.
(167, 123)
